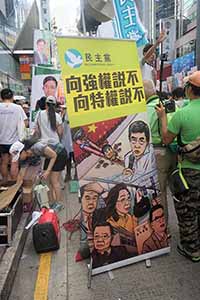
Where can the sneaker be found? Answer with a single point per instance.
(193, 256)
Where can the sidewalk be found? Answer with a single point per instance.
(171, 277)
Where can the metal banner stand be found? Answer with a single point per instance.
(143, 257)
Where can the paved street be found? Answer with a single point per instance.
(171, 277)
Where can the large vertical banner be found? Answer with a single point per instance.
(122, 215)
(45, 82)
(42, 54)
(126, 24)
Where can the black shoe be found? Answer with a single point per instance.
(194, 257)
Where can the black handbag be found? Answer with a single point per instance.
(177, 183)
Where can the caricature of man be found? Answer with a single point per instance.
(140, 160)
(111, 154)
(89, 198)
(103, 252)
(159, 238)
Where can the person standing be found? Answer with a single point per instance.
(12, 117)
(165, 159)
(48, 123)
(185, 124)
(148, 61)
(67, 142)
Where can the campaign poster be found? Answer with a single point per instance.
(42, 54)
(121, 211)
(45, 82)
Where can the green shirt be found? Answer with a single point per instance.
(153, 119)
(186, 121)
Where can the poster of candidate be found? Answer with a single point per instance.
(42, 40)
(45, 82)
(121, 212)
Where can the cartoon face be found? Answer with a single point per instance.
(102, 238)
(89, 201)
(49, 88)
(158, 221)
(138, 142)
(109, 152)
(123, 203)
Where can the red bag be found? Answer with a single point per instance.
(46, 233)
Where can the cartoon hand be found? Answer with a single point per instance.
(138, 196)
(128, 172)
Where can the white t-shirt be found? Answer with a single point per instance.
(47, 134)
(147, 71)
(10, 116)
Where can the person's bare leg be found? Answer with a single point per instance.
(4, 166)
(55, 183)
(14, 170)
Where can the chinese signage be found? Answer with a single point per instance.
(128, 23)
(122, 219)
(99, 83)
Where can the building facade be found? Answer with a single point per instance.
(187, 11)
(13, 16)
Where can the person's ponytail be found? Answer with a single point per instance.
(52, 116)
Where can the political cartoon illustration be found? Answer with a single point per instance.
(121, 211)
(114, 156)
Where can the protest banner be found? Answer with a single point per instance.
(121, 212)
(45, 82)
(42, 53)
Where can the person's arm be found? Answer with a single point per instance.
(49, 153)
(160, 39)
(60, 130)
(167, 136)
(24, 117)
(59, 125)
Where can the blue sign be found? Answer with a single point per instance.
(183, 63)
(128, 22)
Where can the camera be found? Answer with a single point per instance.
(169, 105)
(164, 56)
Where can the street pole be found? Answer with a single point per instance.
(198, 36)
(83, 17)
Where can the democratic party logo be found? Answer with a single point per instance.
(73, 58)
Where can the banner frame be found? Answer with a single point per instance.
(129, 261)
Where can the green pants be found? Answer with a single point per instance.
(188, 211)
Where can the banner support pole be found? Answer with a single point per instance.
(83, 17)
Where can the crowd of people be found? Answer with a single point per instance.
(173, 127)
(173, 120)
(50, 138)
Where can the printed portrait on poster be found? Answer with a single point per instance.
(119, 190)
